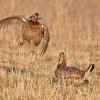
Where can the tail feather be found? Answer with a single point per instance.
(88, 71)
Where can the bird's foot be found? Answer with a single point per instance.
(20, 44)
(32, 52)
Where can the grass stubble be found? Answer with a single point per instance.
(74, 25)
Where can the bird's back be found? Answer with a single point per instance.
(69, 72)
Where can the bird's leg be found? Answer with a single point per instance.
(32, 52)
(21, 44)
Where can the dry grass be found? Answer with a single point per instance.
(75, 26)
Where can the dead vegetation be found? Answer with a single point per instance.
(74, 29)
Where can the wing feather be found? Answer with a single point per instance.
(4, 23)
(45, 40)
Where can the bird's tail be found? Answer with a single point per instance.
(89, 70)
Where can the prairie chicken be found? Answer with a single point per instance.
(33, 31)
(71, 75)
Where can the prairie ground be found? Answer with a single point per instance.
(74, 29)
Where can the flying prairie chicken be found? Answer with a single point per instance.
(33, 31)
(71, 75)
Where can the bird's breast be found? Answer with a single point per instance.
(33, 33)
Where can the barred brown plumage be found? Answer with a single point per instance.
(33, 31)
(70, 74)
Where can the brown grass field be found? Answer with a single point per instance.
(74, 27)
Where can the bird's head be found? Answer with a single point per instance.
(62, 59)
(35, 17)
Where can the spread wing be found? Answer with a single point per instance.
(45, 40)
(4, 23)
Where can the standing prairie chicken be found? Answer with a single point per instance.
(33, 31)
(71, 75)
